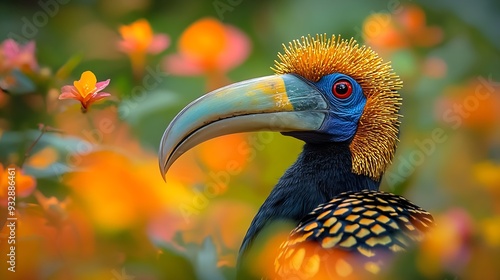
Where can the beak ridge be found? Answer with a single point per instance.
(281, 103)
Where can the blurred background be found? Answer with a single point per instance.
(91, 203)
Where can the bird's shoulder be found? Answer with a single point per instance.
(355, 229)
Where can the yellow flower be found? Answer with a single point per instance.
(86, 90)
(487, 173)
(490, 229)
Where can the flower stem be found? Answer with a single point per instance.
(138, 61)
(43, 128)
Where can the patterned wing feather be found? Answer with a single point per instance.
(354, 232)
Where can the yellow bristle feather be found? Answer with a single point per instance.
(374, 143)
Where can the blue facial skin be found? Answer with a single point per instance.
(344, 114)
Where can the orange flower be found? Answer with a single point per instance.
(138, 40)
(86, 90)
(208, 47)
(24, 184)
(473, 104)
(407, 28)
(118, 191)
(43, 158)
(448, 244)
(52, 232)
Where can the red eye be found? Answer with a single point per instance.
(342, 89)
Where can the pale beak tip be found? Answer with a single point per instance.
(163, 172)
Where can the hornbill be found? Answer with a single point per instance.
(342, 100)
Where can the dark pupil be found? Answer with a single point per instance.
(341, 88)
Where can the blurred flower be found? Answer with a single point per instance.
(15, 56)
(119, 191)
(17, 64)
(86, 90)
(407, 28)
(473, 104)
(55, 210)
(25, 184)
(138, 40)
(447, 246)
(490, 228)
(487, 173)
(233, 154)
(49, 233)
(209, 47)
(43, 158)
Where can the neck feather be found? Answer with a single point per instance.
(321, 172)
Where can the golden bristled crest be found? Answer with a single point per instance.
(374, 143)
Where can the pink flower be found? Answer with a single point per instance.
(15, 56)
(86, 90)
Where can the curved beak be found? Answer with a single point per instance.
(282, 103)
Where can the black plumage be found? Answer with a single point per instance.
(322, 171)
(342, 100)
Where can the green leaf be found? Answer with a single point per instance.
(68, 67)
(23, 84)
(69, 150)
(206, 262)
(175, 265)
(202, 258)
(56, 169)
(136, 109)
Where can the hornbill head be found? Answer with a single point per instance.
(325, 90)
